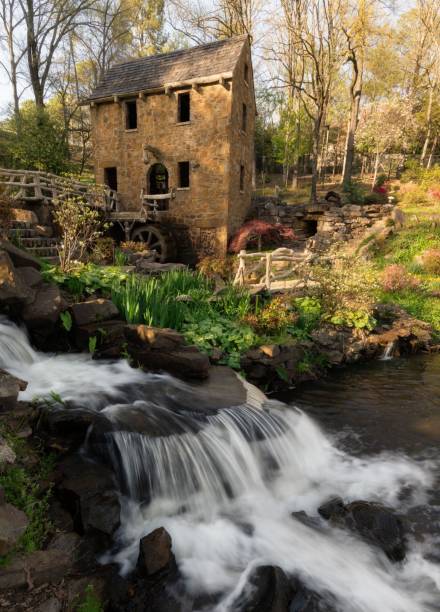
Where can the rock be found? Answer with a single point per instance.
(110, 338)
(2, 496)
(164, 349)
(50, 605)
(77, 590)
(45, 231)
(13, 524)
(152, 268)
(64, 429)
(31, 277)
(10, 387)
(88, 490)
(305, 600)
(270, 350)
(93, 311)
(266, 590)
(13, 290)
(19, 257)
(68, 542)
(333, 197)
(25, 216)
(376, 523)
(155, 553)
(7, 455)
(34, 569)
(44, 310)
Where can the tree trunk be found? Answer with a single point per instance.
(428, 126)
(315, 156)
(356, 93)
(33, 56)
(376, 168)
(431, 154)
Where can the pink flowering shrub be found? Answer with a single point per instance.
(431, 261)
(396, 278)
(434, 192)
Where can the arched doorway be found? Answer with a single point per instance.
(157, 179)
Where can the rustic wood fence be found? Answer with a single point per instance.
(34, 186)
(270, 270)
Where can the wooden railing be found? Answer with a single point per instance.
(34, 186)
(265, 268)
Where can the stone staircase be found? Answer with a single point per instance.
(26, 236)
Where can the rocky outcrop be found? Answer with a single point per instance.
(375, 523)
(10, 387)
(44, 311)
(34, 569)
(13, 524)
(19, 257)
(165, 349)
(7, 455)
(155, 553)
(13, 289)
(93, 311)
(267, 588)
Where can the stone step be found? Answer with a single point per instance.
(39, 241)
(23, 232)
(43, 252)
(53, 259)
(21, 225)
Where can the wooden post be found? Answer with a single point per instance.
(268, 266)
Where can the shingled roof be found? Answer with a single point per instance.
(158, 70)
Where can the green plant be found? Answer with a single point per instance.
(102, 250)
(91, 602)
(213, 267)
(92, 344)
(80, 227)
(66, 320)
(431, 261)
(273, 318)
(359, 319)
(309, 312)
(120, 258)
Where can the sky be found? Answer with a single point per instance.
(5, 90)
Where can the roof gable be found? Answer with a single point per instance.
(156, 71)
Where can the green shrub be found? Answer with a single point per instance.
(272, 319)
(309, 312)
(91, 602)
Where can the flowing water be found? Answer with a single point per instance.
(228, 484)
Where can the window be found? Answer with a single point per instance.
(130, 115)
(183, 108)
(241, 178)
(246, 73)
(111, 178)
(244, 118)
(184, 174)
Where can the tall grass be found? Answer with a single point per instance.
(176, 298)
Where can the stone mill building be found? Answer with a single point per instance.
(173, 134)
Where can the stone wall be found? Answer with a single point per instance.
(324, 223)
(204, 215)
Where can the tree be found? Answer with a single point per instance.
(147, 26)
(11, 20)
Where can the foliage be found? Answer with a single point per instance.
(6, 216)
(411, 241)
(91, 602)
(134, 246)
(38, 141)
(230, 337)
(309, 311)
(102, 250)
(22, 489)
(120, 258)
(269, 232)
(396, 278)
(274, 318)
(214, 267)
(83, 280)
(359, 319)
(431, 261)
(80, 227)
(66, 320)
(419, 304)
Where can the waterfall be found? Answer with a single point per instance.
(388, 352)
(236, 487)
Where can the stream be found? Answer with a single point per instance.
(228, 483)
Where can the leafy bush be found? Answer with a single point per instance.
(309, 312)
(359, 319)
(85, 279)
(135, 247)
(230, 337)
(412, 195)
(80, 227)
(397, 278)
(272, 319)
(213, 267)
(6, 216)
(103, 250)
(431, 261)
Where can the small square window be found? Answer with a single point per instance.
(183, 108)
(246, 73)
(242, 178)
(184, 174)
(131, 115)
(244, 118)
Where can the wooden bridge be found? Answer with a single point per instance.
(35, 186)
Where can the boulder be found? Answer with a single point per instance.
(7, 455)
(10, 387)
(305, 600)
(31, 277)
(23, 215)
(165, 349)
(64, 429)
(19, 257)
(374, 522)
(110, 338)
(88, 490)
(44, 311)
(155, 553)
(267, 590)
(13, 524)
(50, 605)
(13, 289)
(144, 266)
(34, 569)
(94, 311)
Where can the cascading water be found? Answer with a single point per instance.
(228, 484)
